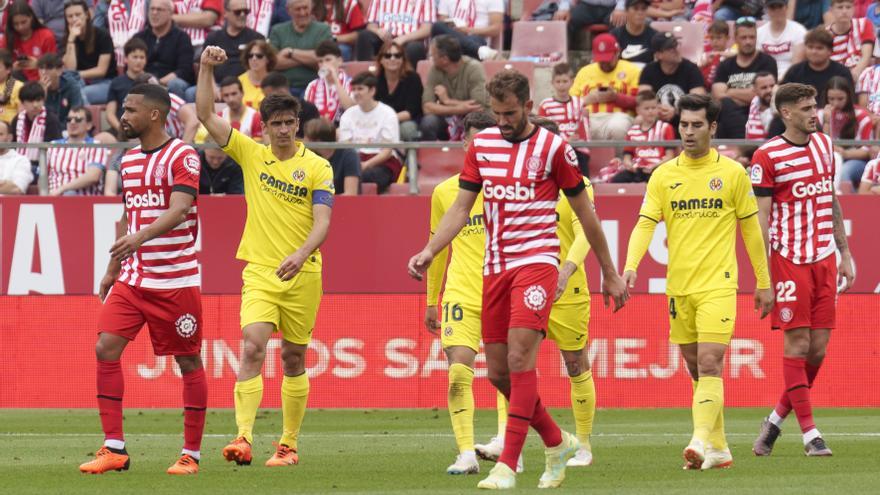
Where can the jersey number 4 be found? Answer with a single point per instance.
(785, 291)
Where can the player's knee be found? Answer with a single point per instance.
(816, 356)
(253, 352)
(294, 362)
(500, 380)
(517, 360)
(188, 364)
(573, 367)
(709, 365)
(105, 351)
(694, 371)
(797, 347)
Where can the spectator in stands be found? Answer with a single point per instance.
(240, 116)
(407, 22)
(719, 38)
(345, 19)
(818, 67)
(640, 161)
(220, 174)
(196, 18)
(296, 42)
(668, 10)
(330, 92)
(279, 12)
(34, 123)
(608, 88)
(843, 119)
(345, 161)
(135, 62)
(27, 38)
(670, 76)
(73, 171)
(400, 87)
(870, 183)
(585, 13)
(853, 38)
(812, 13)
(867, 90)
(635, 36)
(567, 112)
(89, 51)
(64, 88)
(276, 84)
(761, 111)
(473, 22)
(15, 169)
(126, 21)
(734, 81)
(781, 38)
(169, 49)
(234, 35)
(51, 14)
(9, 88)
(371, 121)
(260, 58)
(731, 10)
(456, 86)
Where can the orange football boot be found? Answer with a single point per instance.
(106, 460)
(239, 450)
(187, 464)
(284, 456)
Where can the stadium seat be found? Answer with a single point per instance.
(599, 158)
(539, 39)
(633, 188)
(493, 67)
(355, 68)
(437, 165)
(690, 35)
(97, 112)
(369, 189)
(423, 67)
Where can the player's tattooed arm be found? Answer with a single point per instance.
(846, 273)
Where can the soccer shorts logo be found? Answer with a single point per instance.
(535, 298)
(447, 331)
(186, 326)
(715, 184)
(786, 315)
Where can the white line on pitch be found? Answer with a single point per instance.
(398, 435)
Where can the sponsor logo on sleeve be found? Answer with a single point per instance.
(756, 174)
(191, 163)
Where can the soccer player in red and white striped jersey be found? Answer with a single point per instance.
(520, 170)
(159, 280)
(77, 171)
(331, 91)
(793, 177)
(853, 37)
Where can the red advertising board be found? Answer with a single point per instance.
(370, 350)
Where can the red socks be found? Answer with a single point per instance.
(526, 409)
(798, 390)
(111, 387)
(784, 405)
(195, 401)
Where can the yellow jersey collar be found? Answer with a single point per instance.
(712, 157)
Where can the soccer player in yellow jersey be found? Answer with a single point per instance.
(289, 194)
(702, 196)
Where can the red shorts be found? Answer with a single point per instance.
(174, 317)
(806, 295)
(517, 298)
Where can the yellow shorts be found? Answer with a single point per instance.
(291, 306)
(702, 317)
(460, 324)
(569, 325)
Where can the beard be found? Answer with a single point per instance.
(130, 132)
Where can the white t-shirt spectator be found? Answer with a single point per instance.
(379, 125)
(781, 47)
(16, 168)
(470, 13)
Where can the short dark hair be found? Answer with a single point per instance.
(134, 45)
(320, 130)
(763, 73)
(546, 123)
(6, 58)
(645, 95)
(154, 94)
(841, 1)
(562, 69)
(274, 104)
(84, 110)
(719, 27)
(50, 61)
(509, 82)
(478, 120)
(819, 36)
(791, 93)
(232, 81)
(744, 22)
(32, 91)
(696, 103)
(365, 78)
(448, 46)
(328, 47)
(275, 80)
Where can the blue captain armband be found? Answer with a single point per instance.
(322, 198)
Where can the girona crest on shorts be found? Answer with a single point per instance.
(535, 298)
(186, 325)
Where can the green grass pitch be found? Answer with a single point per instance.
(407, 451)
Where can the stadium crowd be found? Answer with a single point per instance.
(381, 71)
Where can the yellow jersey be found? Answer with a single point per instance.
(624, 79)
(279, 200)
(464, 275)
(253, 95)
(701, 202)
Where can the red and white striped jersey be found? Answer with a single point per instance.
(198, 35)
(569, 115)
(400, 17)
(352, 18)
(755, 128)
(871, 175)
(800, 180)
(520, 182)
(249, 125)
(649, 156)
(260, 17)
(848, 46)
(173, 125)
(68, 164)
(864, 126)
(869, 83)
(148, 178)
(325, 97)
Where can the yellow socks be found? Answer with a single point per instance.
(717, 437)
(294, 396)
(248, 395)
(583, 405)
(707, 406)
(501, 402)
(461, 405)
